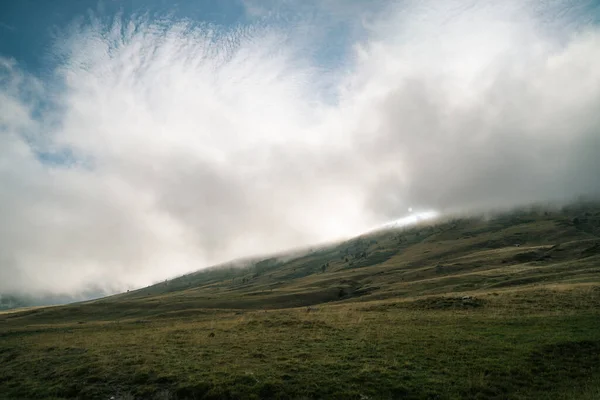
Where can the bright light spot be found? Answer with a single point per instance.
(409, 220)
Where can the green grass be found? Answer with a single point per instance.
(389, 324)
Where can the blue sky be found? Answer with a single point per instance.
(28, 28)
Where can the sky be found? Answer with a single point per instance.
(140, 140)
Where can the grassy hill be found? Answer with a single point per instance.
(504, 306)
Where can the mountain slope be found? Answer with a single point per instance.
(525, 247)
(503, 307)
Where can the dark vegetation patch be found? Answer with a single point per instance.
(528, 256)
(545, 369)
(576, 360)
(368, 259)
(446, 303)
(591, 251)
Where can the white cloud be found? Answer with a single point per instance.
(180, 146)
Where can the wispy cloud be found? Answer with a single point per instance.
(190, 146)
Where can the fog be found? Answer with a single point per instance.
(152, 148)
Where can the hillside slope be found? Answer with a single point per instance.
(526, 247)
(503, 307)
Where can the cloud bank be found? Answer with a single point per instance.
(158, 147)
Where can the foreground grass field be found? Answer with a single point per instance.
(501, 308)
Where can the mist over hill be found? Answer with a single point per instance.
(459, 234)
(149, 145)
